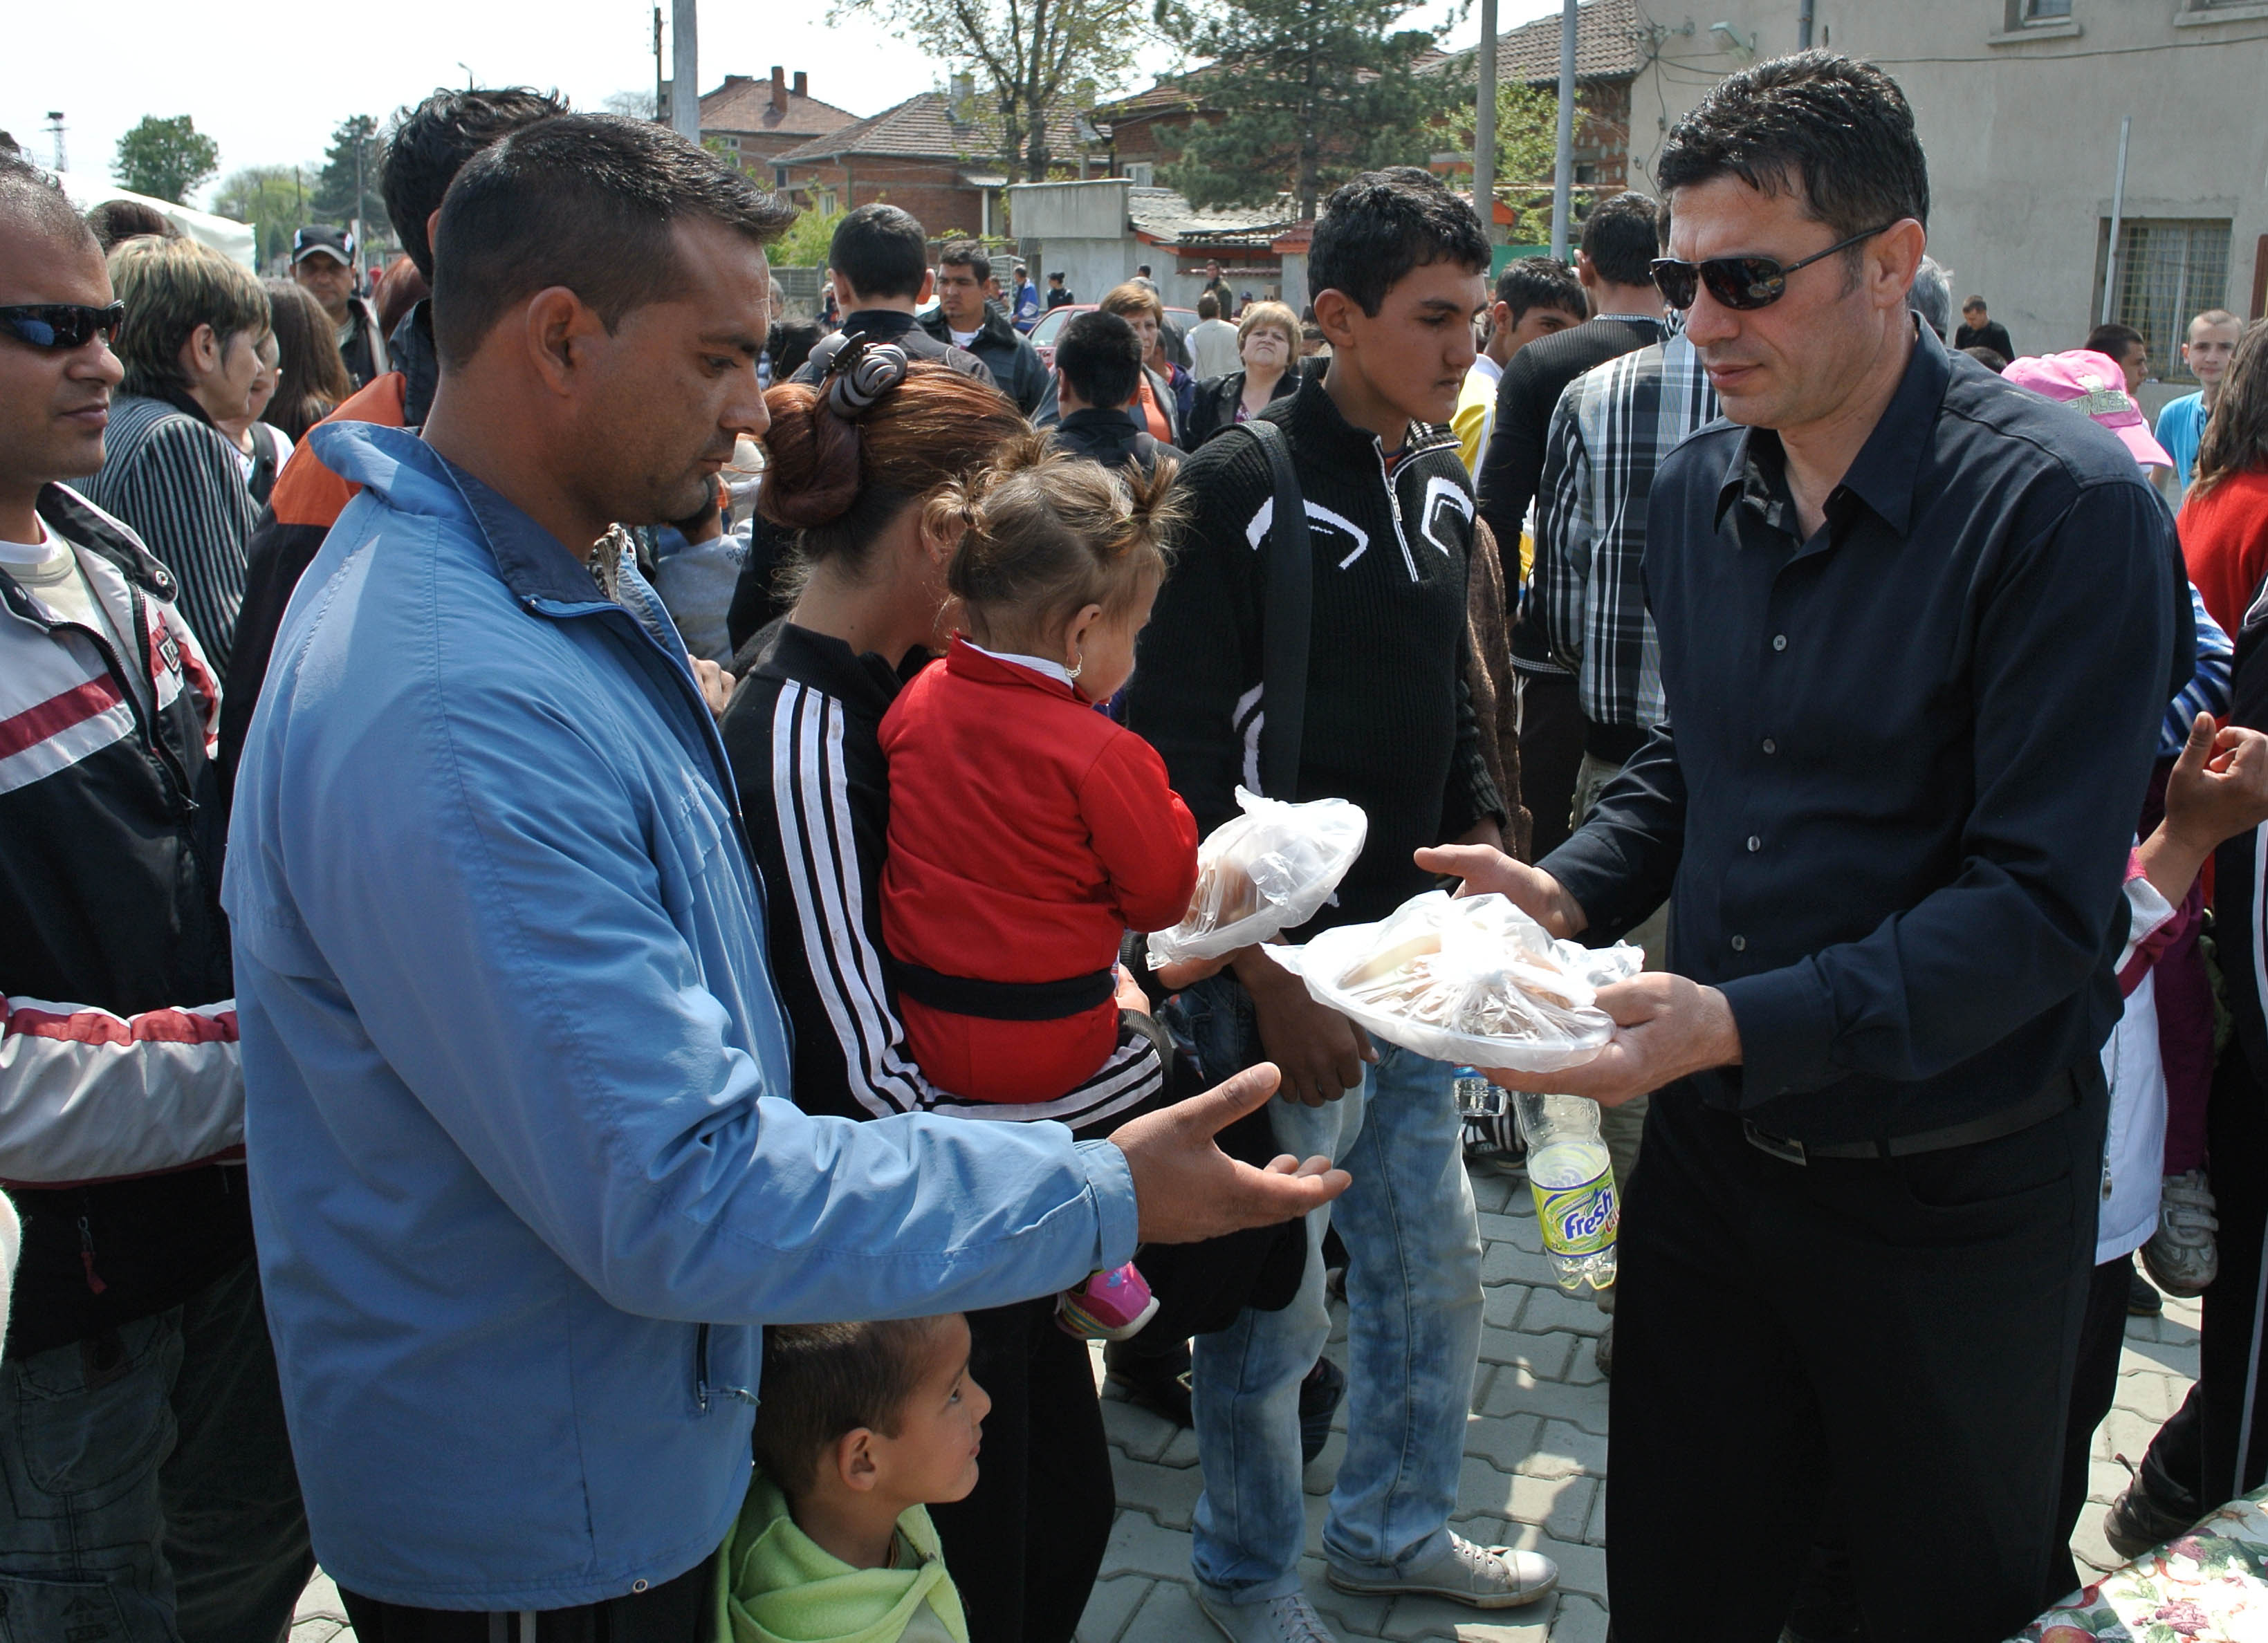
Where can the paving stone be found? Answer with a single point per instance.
(1501, 1306)
(1181, 1448)
(1109, 1606)
(1169, 1614)
(1168, 1493)
(1503, 1441)
(2152, 1397)
(1512, 1393)
(1422, 1617)
(1542, 1357)
(1491, 1191)
(1579, 1620)
(1565, 1449)
(1350, 1614)
(1596, 1533)
(1323, 1470)
(1139, 1545)
(1521, 1232)
(1560, 1506)
(2122, 1433)
(1140, 1433)
(320, 1629)
(1553, 1308)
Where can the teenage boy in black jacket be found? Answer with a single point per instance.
(1396, 267)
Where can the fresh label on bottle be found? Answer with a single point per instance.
(1574, 1187)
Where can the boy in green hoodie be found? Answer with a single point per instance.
(860, 1427)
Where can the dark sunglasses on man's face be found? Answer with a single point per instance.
(1743, 283)
(63, 325)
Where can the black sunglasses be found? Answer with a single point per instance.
(63, 324)
(1744, 283)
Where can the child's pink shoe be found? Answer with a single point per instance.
(1109, 1306)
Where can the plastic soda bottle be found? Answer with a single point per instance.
(1573, 1179)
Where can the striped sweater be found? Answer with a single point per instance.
(176, 481)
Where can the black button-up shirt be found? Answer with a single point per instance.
(1904, 757)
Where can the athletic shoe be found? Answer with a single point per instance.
(1485, 1577)
(2142, 1297)
(1289, 1619)
(1109, 1306)
(2182, 1255)
(1493, 1144)
(2138, 1521)
(1319, 1400)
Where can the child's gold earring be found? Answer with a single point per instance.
(1080, 666)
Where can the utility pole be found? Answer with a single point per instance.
(2117, 215)
(1485, 125)
(1563, 163)
(1803, 26)
(685, 68)
(658, 76)
(55, 136)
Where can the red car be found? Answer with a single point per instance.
(1051, 323)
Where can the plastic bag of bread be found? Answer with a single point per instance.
(1473, 982)
(1268, 872)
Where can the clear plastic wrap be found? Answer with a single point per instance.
(1473, 982)
(1268, 872)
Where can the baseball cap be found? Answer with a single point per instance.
(335, 242)
(2092, 383)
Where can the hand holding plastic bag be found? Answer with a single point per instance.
(1474, 981)
(1268, 872)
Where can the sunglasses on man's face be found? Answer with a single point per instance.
(63, 325)
(1742, 283)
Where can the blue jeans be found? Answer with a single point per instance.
(1414, 1301)
(150, 1492)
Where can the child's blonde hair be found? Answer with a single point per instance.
(1045, 534)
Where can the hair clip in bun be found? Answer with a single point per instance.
(860, 374)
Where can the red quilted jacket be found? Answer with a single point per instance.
(1028, 833)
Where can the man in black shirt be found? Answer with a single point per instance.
(1098, 371)
(1058, 293)
(1619, 240)
(1980, 329)
(1917, 634)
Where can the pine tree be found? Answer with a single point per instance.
(348, 185)
(1302, 94)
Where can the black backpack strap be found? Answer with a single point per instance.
(1286, 620)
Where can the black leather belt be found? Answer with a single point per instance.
(2059, 1097)
(1006, 1001)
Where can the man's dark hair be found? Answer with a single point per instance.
(32, 199)
(1968, 303)
(1990, 358)
(589, 201)
(881, 250)
(1837, 133)
(115, 222)
(1208, 305)
(822, 1381)
(1058, 278)
(430, 144)
(2113, 340)
(1621, 237)
(1100, 358)
(1531, 283)
(1141, 270)
(959, 253)
(1377, 228)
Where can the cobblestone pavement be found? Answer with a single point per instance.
(1534, 1472)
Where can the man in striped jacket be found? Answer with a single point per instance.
(151, 1486)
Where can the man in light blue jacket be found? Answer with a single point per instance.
(524, 1175)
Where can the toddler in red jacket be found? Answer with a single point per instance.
(1029, 831)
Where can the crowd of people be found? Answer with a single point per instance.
(576, 1046)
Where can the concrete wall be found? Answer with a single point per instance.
(1070, 210)
(2022, 133)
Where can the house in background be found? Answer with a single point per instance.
(938, 155)
(2018, 103)
(1097, 233)
(753, 120)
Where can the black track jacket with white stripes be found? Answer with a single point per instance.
(803, 733)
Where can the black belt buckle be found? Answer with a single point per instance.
(1778, 1146)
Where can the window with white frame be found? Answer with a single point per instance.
(2168, 272)
(2044, 11)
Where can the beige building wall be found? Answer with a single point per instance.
(2021, 125)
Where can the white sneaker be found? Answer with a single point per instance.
(2181, 1254)
(1279, 1620)
(1486, 1577)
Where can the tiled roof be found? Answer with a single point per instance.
(744, 103)
(1166, 215)
(927, 127)
(1168, 95)
(1606, 46)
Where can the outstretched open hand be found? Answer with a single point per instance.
(1186, 1188)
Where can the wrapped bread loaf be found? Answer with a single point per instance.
(1268, 870)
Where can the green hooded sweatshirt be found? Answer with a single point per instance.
(775, 1585)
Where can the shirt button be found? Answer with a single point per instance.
(1755, 843)
(1779, 641)
(1740, 944)
(1770, 747)
(638, 1586)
